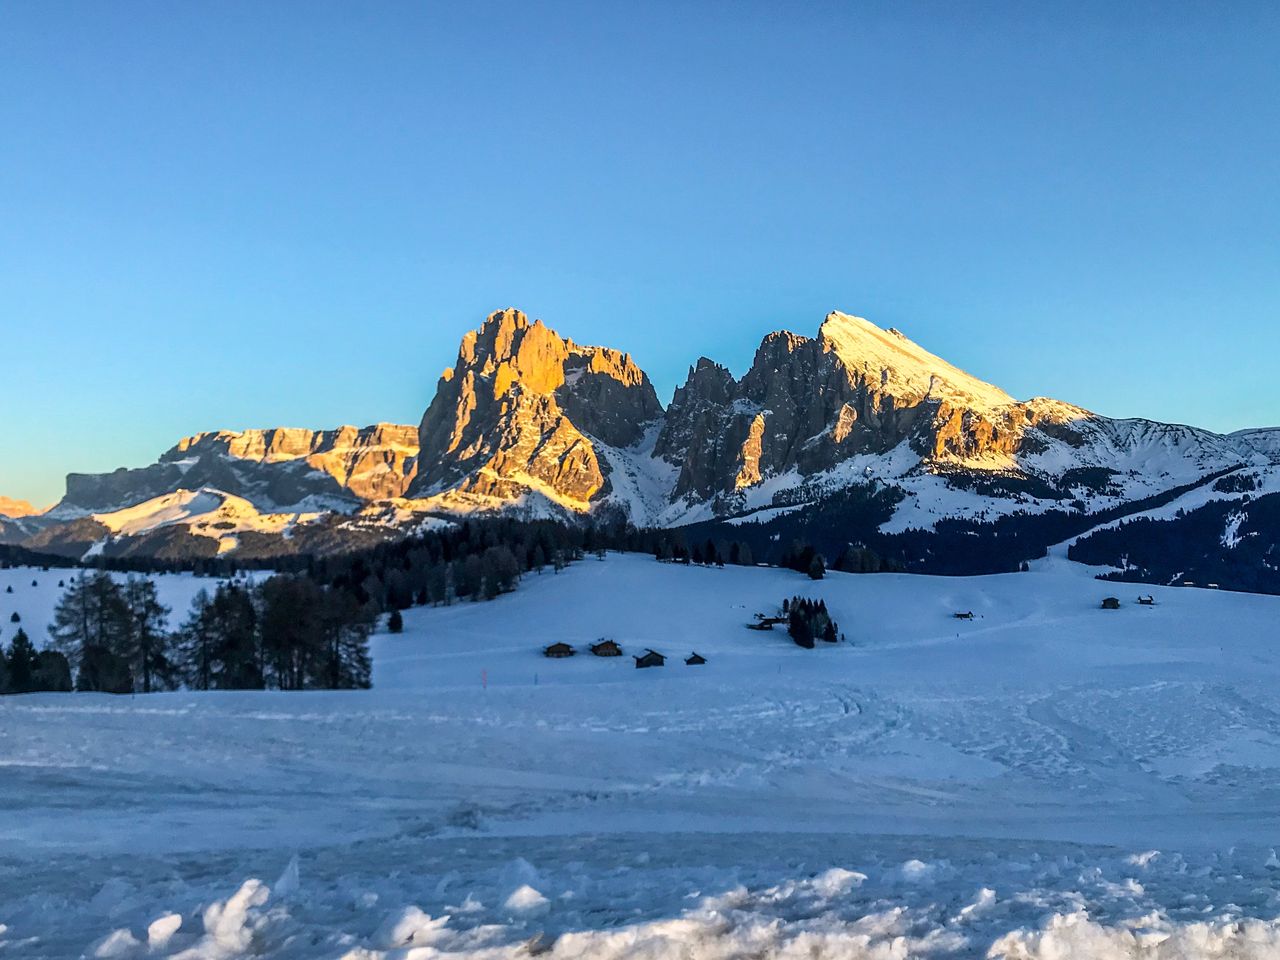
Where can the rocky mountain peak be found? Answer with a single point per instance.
(902, 368)
(808, 404)
(519, 412)
(527, 420)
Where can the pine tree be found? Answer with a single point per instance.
(345, 627)
(501, 571)
(438, 583)
(817, 569)
(472, 577)
(52, 673)
(236, 652)
(147, 645)
(799, 628)
(395, 622)
(102, 671)
(21, 660)
(92, 613)
(195, 644)
(292, 636)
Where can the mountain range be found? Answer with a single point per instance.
(854, 437)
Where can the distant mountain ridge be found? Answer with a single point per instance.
(16, 508)
(530, 423)
(277, 468)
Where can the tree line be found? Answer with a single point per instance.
(111, 636)
(304, 628)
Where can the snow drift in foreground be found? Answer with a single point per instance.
(1046, 780)
(624, 899)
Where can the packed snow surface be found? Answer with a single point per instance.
(1047, 780)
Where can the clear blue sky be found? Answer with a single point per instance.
(255, 214)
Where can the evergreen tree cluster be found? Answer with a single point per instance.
(1190, 546)
(671, 547)
(482, 559)
(113, 634)
(23, 669)
(474, 560)
(805, 559)
(287, 633)
(808, 620)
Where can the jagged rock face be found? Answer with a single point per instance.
(808, 404)
(704, 430)
(525, 411)
(272, 468)
(371, 463)
(520, 410)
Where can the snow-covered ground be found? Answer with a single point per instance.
(1048, 780)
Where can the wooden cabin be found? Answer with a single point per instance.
(558, 650)
(1111, 603)
(1147, 601)
(651, 658)
(966, 615)
(694, 660)
(606, 648)
(770, 620)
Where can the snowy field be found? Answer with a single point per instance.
(1048, 780)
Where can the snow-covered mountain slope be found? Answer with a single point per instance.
(903, 368)
(1264, 440)
(530, 423)
(859, 403)
(185, 523)
(1048, 780)
(206, 513)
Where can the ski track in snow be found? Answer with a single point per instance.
(1048, 780)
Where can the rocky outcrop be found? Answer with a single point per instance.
(274, 469)
(370, 463)
(522, 410)
(808, 404)
(533, 424)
